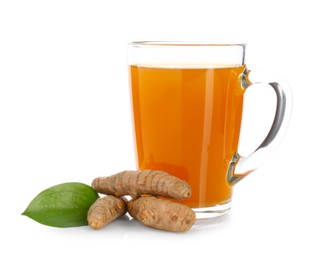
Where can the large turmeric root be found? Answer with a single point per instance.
(162, 214)
(105, 210)
(136, 183)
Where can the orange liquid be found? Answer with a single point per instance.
(187, 122)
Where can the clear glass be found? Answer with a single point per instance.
(187, 101)
(185, 54)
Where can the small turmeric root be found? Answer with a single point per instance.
(162, 214)
(136, 183)
(105, 210)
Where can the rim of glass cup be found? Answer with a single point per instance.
(186, 54)
(185, 43)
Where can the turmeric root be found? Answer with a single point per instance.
(105, 210)
(162, 214)
(136, 183)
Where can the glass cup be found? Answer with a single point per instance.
(187, 102)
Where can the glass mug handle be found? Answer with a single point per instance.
(239, 166)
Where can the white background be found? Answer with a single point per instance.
(65, 116)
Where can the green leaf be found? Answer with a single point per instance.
(63, 205)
